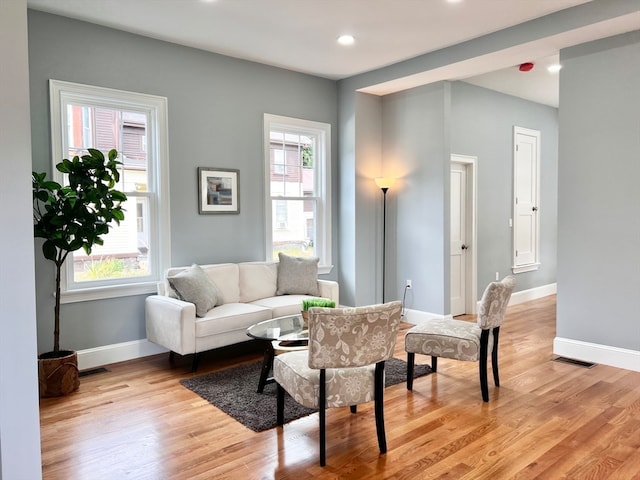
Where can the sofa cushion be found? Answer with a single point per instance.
(192, 285)
(282, 305)
(297, 275)
(231, 317)
(225, 276)
(257, 280)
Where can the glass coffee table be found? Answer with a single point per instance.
(282, 333)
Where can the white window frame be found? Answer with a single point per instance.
(155, 107)
(322, 165)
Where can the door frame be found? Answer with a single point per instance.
(470, 164)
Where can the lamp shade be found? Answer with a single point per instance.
(384, 182)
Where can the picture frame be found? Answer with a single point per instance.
(218, 190)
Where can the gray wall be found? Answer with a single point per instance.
(482, 126)
(356, 204)
(415, 143)
(599, 198)
(421, 128)
(216, 107)
(19, 416)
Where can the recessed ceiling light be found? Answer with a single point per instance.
(454, 1)
(555, 68)
(346, 39)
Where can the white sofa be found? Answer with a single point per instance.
(246, 294)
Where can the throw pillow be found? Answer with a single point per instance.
(297, 276)
(193, 285)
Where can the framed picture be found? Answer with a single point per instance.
(219, 190)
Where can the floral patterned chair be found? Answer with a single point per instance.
(460, 340)
(344, 365)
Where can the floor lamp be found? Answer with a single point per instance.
(384, 184)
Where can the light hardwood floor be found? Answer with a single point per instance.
(548, 420)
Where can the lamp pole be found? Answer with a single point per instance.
(384, 184)
(384, 236)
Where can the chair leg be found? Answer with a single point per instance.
(411, 358)
(434, 364)
(484, 346)
(322, 405)
(280, 405)
(353, 408)
(494, 356)
(379, 406)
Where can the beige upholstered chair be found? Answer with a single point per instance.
(344, 365)
(449, 338)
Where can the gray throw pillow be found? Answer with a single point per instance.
(193, 285)
(297, 276)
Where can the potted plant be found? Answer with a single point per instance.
(314, 302)
(68, 218)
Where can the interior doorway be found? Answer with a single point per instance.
(463, 257)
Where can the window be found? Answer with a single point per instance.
(298, 190)
(136, 252)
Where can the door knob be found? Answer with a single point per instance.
(535, 209)
(464, 247)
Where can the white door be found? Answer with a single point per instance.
(526, 193)
(459, 246)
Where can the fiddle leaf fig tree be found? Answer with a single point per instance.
(76, 215)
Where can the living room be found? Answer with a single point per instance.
(215, 102)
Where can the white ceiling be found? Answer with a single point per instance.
(301, 35)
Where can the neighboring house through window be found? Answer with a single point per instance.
(136, 252)
(298, 173)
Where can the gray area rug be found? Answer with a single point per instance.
(234, 392)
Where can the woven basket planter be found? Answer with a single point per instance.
(58, 373)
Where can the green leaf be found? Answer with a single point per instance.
(64, 166)
(118, 196)
(49, 250)
(42, 195)
(97, 154)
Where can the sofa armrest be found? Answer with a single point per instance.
(171, 323)
(329, 289)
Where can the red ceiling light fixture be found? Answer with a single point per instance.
(526, 67)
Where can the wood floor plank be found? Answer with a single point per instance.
(548, 420)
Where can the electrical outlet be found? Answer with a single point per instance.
(408, 284)
(497, 276)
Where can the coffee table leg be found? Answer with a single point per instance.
(267, 364)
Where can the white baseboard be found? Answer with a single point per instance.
(533, 293)
(596, 353)
(417, 316)
(119, 352)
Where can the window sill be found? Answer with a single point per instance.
(324, 269)
(113, 291)
(525, 268)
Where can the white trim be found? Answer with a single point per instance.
(119, 352)
(322, 131)
(530, 294)
(127, 290)
(471, 164)
(596, 353)
(525, 268)
(533, 294)
(537, 135)
(155, 107)
(418, 316)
